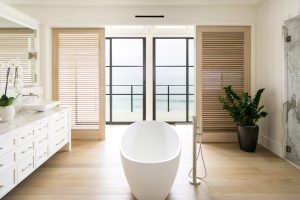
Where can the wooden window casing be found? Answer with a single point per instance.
(223, 58)
(78, 78)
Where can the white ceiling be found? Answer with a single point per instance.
(129, 2)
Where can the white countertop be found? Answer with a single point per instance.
(24, 118)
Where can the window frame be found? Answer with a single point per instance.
(82, 134)
(111, 122)
(187, 67)
(220, 136)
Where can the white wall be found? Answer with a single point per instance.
(267, 18)
(99, 16)
(270, 67)
(124, 15)
(267, 53)
(267, 47)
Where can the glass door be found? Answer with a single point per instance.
(293, 90)
(173, 85)
(125, 80)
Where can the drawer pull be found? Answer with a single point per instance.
(26, 136)
(62, 128)
(60, 119)
(43, 127)
(1, 148)
(1, 186)
(42, 140)
(24, 169)
(1, 165)
(45, 153)
(26, 150)
(60, 142)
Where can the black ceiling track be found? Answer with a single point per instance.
(149, 16)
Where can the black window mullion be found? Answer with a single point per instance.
(187, 77)
(187, 80)
(111, 66)
(110, 81)
(154, 79)
(144, 78)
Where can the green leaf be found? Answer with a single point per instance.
(257, 97)
(10, 101)
(243, 110)
(4, 97)
(6, 101)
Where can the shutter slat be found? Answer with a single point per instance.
(223, 63)
(78, 77)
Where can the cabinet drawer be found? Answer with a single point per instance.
(60, 129)
(41, 127)
(41, 156)
(57, 143)
(25, 150)
(25, 167)
(25, 135)
(60, 118)
(41, 140)
(7, 144)
(8, 180)
(7, 160)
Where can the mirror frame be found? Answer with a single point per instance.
(18, 17)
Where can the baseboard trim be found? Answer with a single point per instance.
(219, 137)
(271, 145)
(87, 135)
(292, 163)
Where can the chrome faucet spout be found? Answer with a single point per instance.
(30, 95)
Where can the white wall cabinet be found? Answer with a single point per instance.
(30, 140)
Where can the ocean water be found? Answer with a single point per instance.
(122, 107)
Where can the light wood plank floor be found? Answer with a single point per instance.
(93, 171)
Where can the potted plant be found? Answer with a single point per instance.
(7, 110)
(246, 112)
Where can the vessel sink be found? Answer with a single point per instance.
(41, 107)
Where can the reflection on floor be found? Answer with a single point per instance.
(92, 171)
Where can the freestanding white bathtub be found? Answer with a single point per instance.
(150, 153)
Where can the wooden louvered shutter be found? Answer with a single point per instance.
(78, 78)
(223, 58)
(15, 44)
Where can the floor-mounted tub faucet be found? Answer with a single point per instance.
(197, 131)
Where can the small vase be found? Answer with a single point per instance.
(7, 113)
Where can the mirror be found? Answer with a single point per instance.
(17, 47)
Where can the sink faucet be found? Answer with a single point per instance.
(30, 95)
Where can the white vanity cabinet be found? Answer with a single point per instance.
(30, 140)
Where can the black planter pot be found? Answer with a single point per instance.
(248, 136)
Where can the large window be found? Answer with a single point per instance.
(125, 80)
(173, 71)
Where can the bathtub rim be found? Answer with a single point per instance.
(177, 154)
